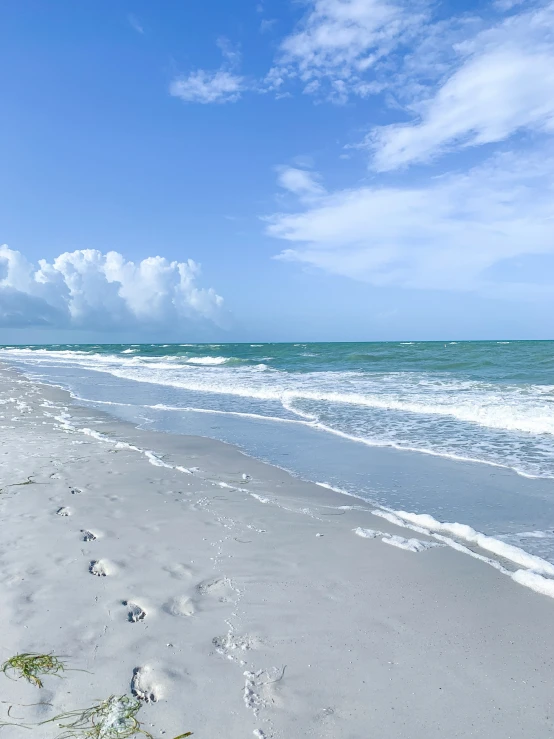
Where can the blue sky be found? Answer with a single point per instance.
(340, 169)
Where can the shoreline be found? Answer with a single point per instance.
(373, 444)
(479, 432)
(536, 574)
(270, 584)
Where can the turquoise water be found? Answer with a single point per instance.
(338, 413)
(487, 401)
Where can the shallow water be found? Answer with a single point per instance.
(321, 410)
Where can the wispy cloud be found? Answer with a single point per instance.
(502, 83)
(449, 233)
(135, 23)
(223, 85)
(267, 24)
(204, 86)
(230, 52)
(300, 182)
(338, 44)
(87, 288)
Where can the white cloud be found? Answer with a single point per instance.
(267, 24)
(230, 52)
(338, 41)
(204, 86)
(450, 233)
(222, 85)
(504, 84)
(89, 289)
(299, 182)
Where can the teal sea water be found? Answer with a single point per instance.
(328, 404)
(489, 401)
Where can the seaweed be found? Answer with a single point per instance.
(113, 718)
(30, 665)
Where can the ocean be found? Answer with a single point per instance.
(320, 410)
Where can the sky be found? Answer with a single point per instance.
(276, 170)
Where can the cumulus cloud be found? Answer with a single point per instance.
(503, 82)
(454, 232)
(88, 289)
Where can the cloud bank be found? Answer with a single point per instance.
(501, 83)
(338, 44)
(454, 232)
(477, 86)
(486, 81)
(92, 290)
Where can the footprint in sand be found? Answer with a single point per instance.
(179, 571)
(101, 568)
(89, 535)
(135, 613)
(219, 587)
(75, 491)
(232, 644)
(63, 511)
(144, 686)
(181, 605)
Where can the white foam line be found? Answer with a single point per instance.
(66, 425)
(104, 402)
(192, 409)
(535, 582)
(342, 491)
(430, 452)
(311, 422)
(272, 501)
(528, 577)
(150, 456)
(261, 498)
(257, 416)
(535, 568)
(514, 554)
(531, 535)
(410, 545)
(368, 533)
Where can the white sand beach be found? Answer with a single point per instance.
(235, 600)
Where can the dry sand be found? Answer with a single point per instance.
(238, 601)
